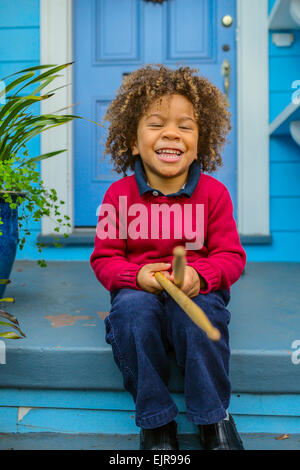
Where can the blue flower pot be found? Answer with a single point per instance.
(8, 239)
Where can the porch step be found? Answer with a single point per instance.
(62, 377)
(60, 309)
(56, 441)
(105, 412)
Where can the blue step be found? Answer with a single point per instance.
(106, 412)
(55, 441)
(265, 322)
(64, 371)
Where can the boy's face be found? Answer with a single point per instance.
(167, 137)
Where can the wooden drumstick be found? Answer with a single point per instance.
(191, 309)
(179, 263)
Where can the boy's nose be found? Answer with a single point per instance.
(170, 133)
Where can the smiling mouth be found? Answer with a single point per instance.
(169, 155)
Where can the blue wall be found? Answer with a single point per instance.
(284, 68)
(19, 47)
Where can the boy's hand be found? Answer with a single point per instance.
(192, 282)
(145, 277)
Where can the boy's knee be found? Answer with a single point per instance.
(135, 306)
(176, 312)
(212, 305)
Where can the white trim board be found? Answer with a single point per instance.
(56, 41)
(252, 94)
(253, 117)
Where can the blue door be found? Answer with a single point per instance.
(115, 37)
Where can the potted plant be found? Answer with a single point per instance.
(20, 182)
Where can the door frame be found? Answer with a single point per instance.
(56, 36)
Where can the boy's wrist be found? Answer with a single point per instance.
(203, 284)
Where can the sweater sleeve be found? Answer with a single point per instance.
(108, 259)
(226, 257)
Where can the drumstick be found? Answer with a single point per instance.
(179, 263)
(191, 309)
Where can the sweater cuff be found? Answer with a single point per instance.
(209, 274)
(127, 277)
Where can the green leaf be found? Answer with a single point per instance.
(4, 323)
(10, 335)
(8, 316)
(43, 157)
(25, 102)
(38, 79)
(5, 109)
(43, 85)
(17, 142)
(4, 281)
(16, 82)
(29, 135)
(93, 122)
(42, 263)
(30, 69)
(49, 72)
(17, 101)
(59, 88)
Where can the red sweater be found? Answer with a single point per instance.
(117, 259)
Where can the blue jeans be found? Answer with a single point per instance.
(143, 327)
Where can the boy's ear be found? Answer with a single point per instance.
(134, 149)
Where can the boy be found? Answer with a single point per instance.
(169, 126)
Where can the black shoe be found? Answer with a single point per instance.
(220, 436)
(162, 438)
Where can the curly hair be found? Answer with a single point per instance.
(142, 88)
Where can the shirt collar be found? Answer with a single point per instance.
(187, 189)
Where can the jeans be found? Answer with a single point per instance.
(143, 327)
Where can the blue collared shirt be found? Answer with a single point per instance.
(187, 189)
